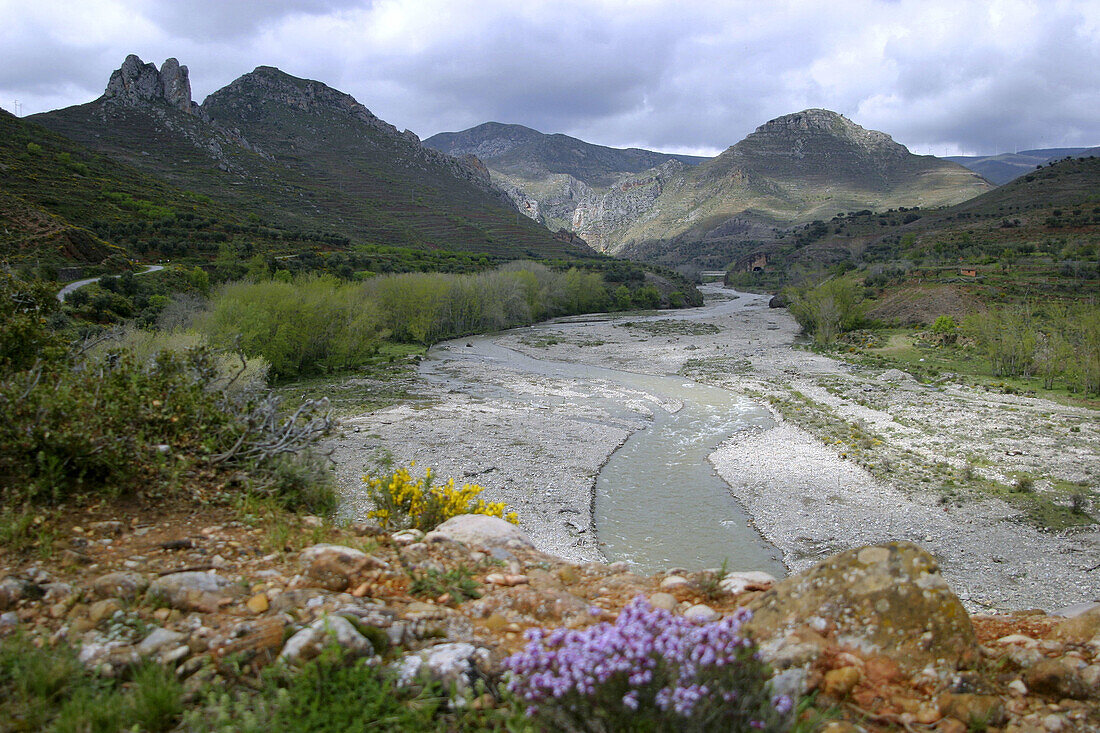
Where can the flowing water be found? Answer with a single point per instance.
(658, 502)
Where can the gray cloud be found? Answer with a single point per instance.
(938, 75)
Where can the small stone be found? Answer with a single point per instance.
(506, 579)
(702, 613)
(839, 683)
(664, 601)
(619, 566)
(674, 581)
(257, 603)
(313, 521)
(103, 609)
(1017, 687)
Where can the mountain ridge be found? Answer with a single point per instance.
(300, 154)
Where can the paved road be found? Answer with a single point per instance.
(81, 283)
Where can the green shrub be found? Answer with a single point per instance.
(116, 426)
(829, 309)
(25, 335)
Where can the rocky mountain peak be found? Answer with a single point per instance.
(136, 82)
(801, 128)
(266, 84)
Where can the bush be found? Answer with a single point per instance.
(403, 503)
(114, 425)
(25, 336)
(313, 325)
(650, 670)
(829, 309)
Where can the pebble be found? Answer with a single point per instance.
(674, 581)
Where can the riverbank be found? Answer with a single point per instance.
(914, 446)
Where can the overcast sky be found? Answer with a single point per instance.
(940, 76)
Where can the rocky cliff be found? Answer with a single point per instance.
(139, 83)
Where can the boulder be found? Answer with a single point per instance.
(332, 566)
(194, 591)
(13, 590)
(887, 600)
(1080, 628)
(456, 665)
(126, 585)
(325, 631)
(478, 529)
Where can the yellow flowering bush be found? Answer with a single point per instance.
(402, 502)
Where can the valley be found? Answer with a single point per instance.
(854, 455)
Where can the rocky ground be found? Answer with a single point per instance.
(216, 596)
(857, 456)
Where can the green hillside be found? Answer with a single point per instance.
(301, 157)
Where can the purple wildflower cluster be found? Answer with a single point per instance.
(647, 660)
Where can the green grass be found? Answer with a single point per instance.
(43, 688)
(388, 378)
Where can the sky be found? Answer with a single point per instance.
(943, 77)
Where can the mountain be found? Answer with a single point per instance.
(296, 154)
(547, 175)
(791, 170)
(1050, 212)
(1004, 167)
(676, 209)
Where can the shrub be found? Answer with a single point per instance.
(649, 670)
(944, 324)
(25, 336)
(829, 309)
(404, 503)
(114, 425)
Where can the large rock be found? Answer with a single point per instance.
(325, 631)
(478, 529)
(137, 83)
(887, 600)
(456, 665)
(13, 590)
(194, 591)
(124, 584)
(332, 566)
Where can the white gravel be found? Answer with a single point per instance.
(538, 442)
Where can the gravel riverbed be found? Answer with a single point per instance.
(538, 442)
